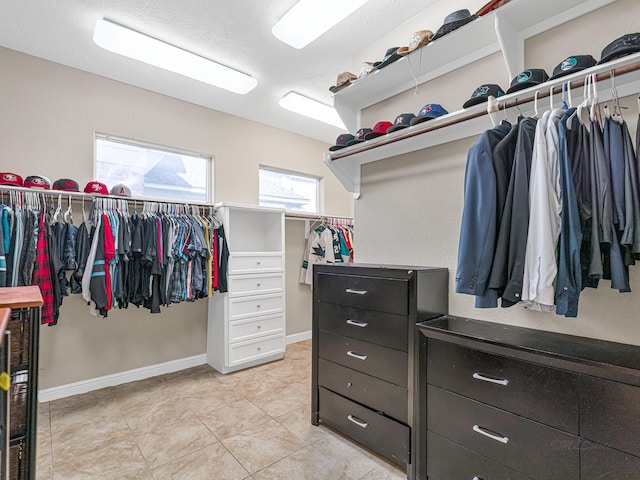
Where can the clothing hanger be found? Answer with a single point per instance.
(505, 121)
(535, 104)
(551, 98)
(68, 215)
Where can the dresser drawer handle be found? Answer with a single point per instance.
(498, 381)
(357, 323)
(355, 355)
(477, 478)
(357, 421)
(356, 292)
(492, 436)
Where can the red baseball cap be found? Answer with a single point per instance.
(96, 188)
(8, 178)
(378, 130)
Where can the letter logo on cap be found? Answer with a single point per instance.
(568, 64)
(524, 76)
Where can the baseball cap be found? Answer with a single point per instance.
(37, 181)
(572, 64)
(429, 112)
(96, 188)
(402, 121)
(66, 185)
(390, 56)
(365, 69)
(8, 178)
(378, 130)
(344, 80)
(360, 136)
(625, 45)
(121, 190)
(528, 78)
(482, 94)
(341, 142)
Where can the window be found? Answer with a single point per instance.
(151, 171)
(292, 191)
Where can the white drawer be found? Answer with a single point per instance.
(241, 330)
(255, 284)
(243, 307)
(255, 263)
(249, 351)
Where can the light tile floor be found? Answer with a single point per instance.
(201, 425)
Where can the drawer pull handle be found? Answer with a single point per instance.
(357, 421)
(499, 381)
(356, 292)
(477, 478)
(492, 436)
(257, 284)
(355, 355)
(357, 323)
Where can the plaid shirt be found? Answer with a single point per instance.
(42, 272)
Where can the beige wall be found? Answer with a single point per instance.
(49, 116)
(411, 205)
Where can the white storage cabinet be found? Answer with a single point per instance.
(246, 325)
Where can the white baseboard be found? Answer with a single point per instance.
(298, 337)
(84, 386)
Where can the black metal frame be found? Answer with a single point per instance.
(5, 355)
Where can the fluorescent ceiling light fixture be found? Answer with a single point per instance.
(124, 41)
(308, 19)
(311, 108)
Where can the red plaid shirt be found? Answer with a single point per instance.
(42, 272)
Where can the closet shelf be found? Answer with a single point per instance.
(346, 163)
(504, 29)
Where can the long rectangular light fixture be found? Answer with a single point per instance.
(130, 43)
(311, 108)
(308, 19)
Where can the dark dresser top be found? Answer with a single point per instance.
(610, 360)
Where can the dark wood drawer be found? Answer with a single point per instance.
(601, 463)
(450, 461)
(381, 362)
(373, 293)
(370, 391)
(380, 433)
(377, 327)
(544, 394)
(610, 414)
(544, 453)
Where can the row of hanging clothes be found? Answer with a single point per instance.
(166, 253)
(551, 206)
(330, 240)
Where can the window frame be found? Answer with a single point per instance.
(210, 165)
(319, 190)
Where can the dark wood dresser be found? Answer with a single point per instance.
(497, 402)
(364, 344)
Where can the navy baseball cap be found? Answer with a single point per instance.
(360, 136)
(402, 121)
(528, 78)
(573, 64)
(341, 142)
(429, 112)
(482, 94)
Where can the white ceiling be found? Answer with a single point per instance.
(236, 33)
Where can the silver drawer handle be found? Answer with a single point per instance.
(355, 355)
(498, 381)
(497, 438)
(357, 323)
(357, 292)
(477, 478)
(357, 421)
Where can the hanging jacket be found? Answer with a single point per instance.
(42, 272)
(476, 246)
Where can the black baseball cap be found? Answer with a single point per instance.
(482, 94)
(342, 141)
(528, 78)
(360, 136)
(454, 21)
(573, 64)
(66, 185)
(402, 121)
(625, 45)
(390, 56)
